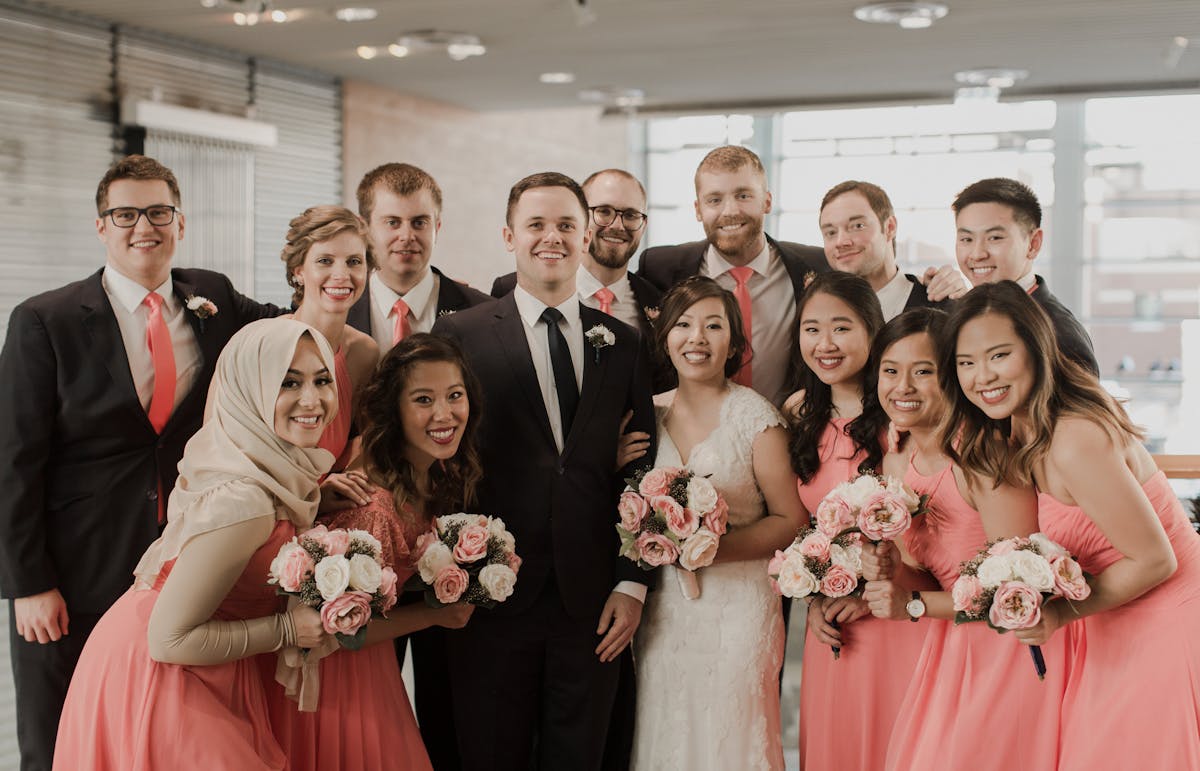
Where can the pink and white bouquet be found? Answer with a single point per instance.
(466, 557)
(818, 564)
(881, 508)
(672, 516)
(340, 574)
(1008, 581)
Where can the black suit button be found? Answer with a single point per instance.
(561, 470)
(152, 495)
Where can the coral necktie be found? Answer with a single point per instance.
(400, 327)
(158, 339)
(606, 297)
(741, 293)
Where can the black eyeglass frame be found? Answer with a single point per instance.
(140, 213)
(622, 213)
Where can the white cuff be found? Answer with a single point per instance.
(633, 589)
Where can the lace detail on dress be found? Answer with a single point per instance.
(708, 669)
(396, 533)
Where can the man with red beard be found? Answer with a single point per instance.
(767, 276)
(616, 221)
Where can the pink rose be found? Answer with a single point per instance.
(388, 586)
(346, 613)
(718, 519)
(834, 514)
(883, 517)
(633, 510)
(680, 521)
(838, 582)
(334, 542)
(1068, 578)
(450, 584)
(657, 481)
(472, 543)
(656, 549)
(1016, 606)
(1000, 548)
(776, 564)
(424, 541)
(293, 567)
(514, 562)
(816, 545)
(967, 592)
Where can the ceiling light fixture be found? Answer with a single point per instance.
(994, 77)
(367, 52)
(906, 15)
(457, 45)
(553, 78)
(614, 96)
(397, 50)
(355, 14)
(279, 17)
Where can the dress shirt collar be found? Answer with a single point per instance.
(416, 298)
(717, 264)
(1027, 282)
(588, 285)
(130, 294)
(531, 308)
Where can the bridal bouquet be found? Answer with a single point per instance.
(339, 573)
(881, 508)
(468, 557)
(1007, 583)
(671, 516)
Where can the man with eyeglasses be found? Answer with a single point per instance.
(102, 382)
(617, 221)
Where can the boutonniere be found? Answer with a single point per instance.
(445, 312)
(600, 336)
(651, 312)
(808, 278)
(201, 306)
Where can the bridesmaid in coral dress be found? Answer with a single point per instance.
(969, 674)
(419, 455)
(168, 679)
(847, 705)
(1133, 693)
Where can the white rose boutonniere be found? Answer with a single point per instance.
(201, 306)
(600, 337)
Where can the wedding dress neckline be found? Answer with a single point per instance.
(671, 440)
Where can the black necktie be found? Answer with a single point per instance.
(564, 370)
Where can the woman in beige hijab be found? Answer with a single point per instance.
(166, 679)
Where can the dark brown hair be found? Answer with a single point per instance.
(545, 179)
(684, 295)
(914, 321)
(1008, 192)
(400, 178)
(139, 167)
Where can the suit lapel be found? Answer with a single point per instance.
(510, 331)
(595, 365)
(359, 316)
(100, 324)
(450, 297)
(210, 348)
(647, 300)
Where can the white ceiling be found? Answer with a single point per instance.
(698, 54)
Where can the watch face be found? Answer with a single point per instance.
(915, 608)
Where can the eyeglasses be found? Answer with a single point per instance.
(604, 216)
(128, 216)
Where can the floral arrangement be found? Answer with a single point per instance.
(818, 564)
(1007, 582)
(466, 557)
(881, 508)
(600, 337)
(339, 573)
(201, 306)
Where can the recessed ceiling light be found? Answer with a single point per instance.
(456, 45)
(398, 51)
(367, 52)
(279, 17)
(614, 96)
(355, 14)
(907, 15)
(991, 77)
(557, 77)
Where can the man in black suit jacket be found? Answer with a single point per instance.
(84, 472)
(534, 680)
(858, 224)
(999, 235)
(732, 201)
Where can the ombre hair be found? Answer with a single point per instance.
(684, 295)
(317, 225)
(816, 411)
(452, 482)
(1061, 388)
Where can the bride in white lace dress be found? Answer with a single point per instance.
(708, 668)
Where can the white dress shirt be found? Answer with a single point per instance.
(894, 295)
(624, 305)
(1027, 282)
(422, 307)
(530, 308)
(773, 305)
(126, 297)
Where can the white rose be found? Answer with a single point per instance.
(1032, 569)
(911, 500)
(332, 576)
(368, 539)
(498, 581)
(365, 573)
(436, 557)
(701, 496)
(1047, 547)
(280, 558)
(497, 529)
(796, 581)
(860, 489)
(994, 570)
(698, 550)
(849, 557)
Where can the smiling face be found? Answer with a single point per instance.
(732, 206)
(404, 229)
(143, 252)
(992, 246)
(547, 232)
(908, 384)
(856, 241)
(995, 370)
(613, 245)
(334, 272)
(307, 397)
(834, 340)
(434, 409)
(698, 344)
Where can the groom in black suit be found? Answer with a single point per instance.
(90, 434)
(534, 680)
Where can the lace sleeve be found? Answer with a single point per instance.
(752, 414)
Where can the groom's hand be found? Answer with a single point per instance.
(43, 618)
(618, 621)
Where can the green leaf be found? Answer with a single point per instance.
(354, 641)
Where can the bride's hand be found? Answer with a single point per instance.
(630, 446)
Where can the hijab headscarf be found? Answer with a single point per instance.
(236, 461)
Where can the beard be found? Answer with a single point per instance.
(612, 255)
(735, 244)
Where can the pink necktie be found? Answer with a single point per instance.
(161, 352)
(605, 296)
(742, 293)
(400, 327)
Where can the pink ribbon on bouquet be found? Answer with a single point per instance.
(299, 670)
